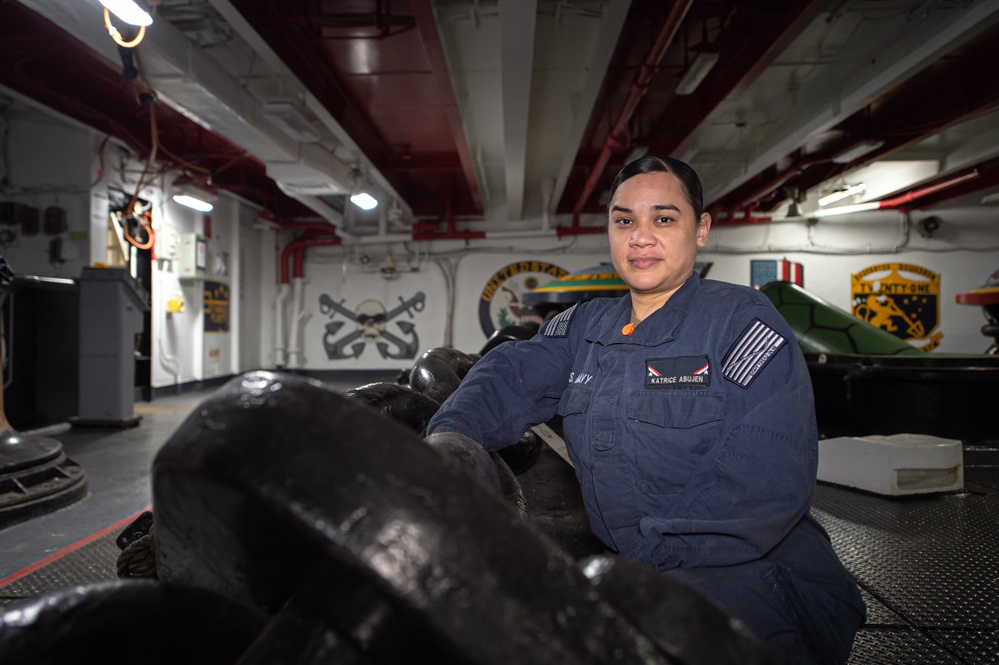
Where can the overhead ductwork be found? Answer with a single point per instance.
(197, 85)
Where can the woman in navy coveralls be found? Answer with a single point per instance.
(688, 414)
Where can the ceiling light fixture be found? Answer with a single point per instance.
(841, 194)
(129, 12)
(359, 197)
(186, 194)
(364, 201)
(699, 68)
(857, 150)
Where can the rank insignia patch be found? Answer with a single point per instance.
(750, 354)
(681, 372)
(559, 326)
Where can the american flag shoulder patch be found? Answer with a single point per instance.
(559, 325)
(751, 352)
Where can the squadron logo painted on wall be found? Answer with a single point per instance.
(500, 303)
(902, 298)
(371, 321)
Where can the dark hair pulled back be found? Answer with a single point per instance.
(655, 164)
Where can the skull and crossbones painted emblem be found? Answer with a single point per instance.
(371, 321)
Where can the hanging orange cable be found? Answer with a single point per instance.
(154, 139)
(191, 166)
(144, 219)
(145, 223)
(116, 36)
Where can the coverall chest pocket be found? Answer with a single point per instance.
(676, 411)
(672, 433)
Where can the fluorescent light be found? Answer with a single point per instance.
(698, 69)
(856, 150)
(186, 193)
(128, 11)
(191, 202)
(364, 201)
(841, 194)
(845, 210)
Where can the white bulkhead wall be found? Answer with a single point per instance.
(53, 161)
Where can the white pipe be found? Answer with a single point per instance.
(377, 239)
(547, 188)
(279, 357)
(329, 214)
(303, 316)
(382, 220)
(298, 316)
(169, 363)
(520, 234)
(408, 237)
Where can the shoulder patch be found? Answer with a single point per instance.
(751, 353)
(559, 326)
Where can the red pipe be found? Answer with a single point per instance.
(915, 194)
(300, 252)
(322, 227)
(423, 12)
(638, 89)
(731, 217)
(450, 234)
(298, 247)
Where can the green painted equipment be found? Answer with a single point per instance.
(820, 327)
(867, 381)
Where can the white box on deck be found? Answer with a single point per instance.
(894, 464)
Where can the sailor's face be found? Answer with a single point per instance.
(654, 233)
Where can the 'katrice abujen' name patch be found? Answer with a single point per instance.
(751, 353)
(681, 372)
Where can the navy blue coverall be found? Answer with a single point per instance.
(695, 446)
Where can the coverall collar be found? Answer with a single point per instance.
(659, 327)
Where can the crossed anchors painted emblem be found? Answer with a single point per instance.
(370, 320)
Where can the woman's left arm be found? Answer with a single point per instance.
(755, 483)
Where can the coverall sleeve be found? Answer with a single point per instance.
(513, 387)
(756, 481)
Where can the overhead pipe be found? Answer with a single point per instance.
(732, 216)
(898, 201)
(426, 24)
(451, 233)
(771, 187)
(297, 248)
(577, 230)
(639, 87)
(916, 194)
(309, 226)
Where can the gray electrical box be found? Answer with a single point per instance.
(193, 256)
(112, 304)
